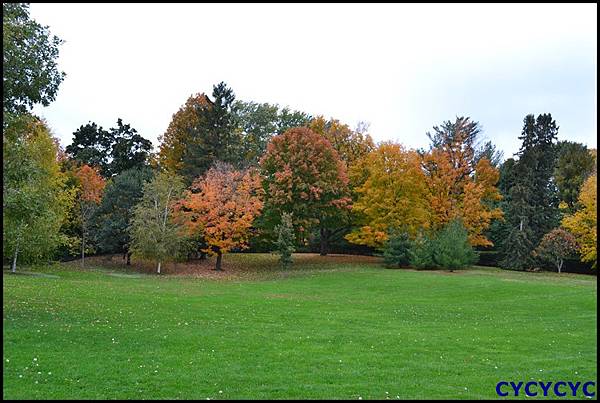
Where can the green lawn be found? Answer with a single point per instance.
(329, 328)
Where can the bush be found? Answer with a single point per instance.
(421, 253)
(396, 250)
(449, 249)
(452, 249)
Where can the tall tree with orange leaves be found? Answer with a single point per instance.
(460, 181)
(303, 175)
(90, 188)
(221, 207)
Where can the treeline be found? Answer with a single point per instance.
(232, 175)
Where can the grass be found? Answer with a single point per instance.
(328, 329)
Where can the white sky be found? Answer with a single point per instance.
(402, 67)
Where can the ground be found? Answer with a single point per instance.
(337, 327)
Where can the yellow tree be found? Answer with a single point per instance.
(393, 195)
(583, 223)
(221, 207)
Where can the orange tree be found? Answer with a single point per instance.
(303, 175)
(90, 187)
(221, 207)
(460, 183)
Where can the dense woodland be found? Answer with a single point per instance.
(234, 175)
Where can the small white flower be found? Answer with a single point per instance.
(220, 391)
(35, 359)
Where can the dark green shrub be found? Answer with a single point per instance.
(421, 252)
(284, 245)
(451, 247)
(396, 250)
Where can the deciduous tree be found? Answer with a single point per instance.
(303, 175)
(584, 222)
(221, 207)
(90, 188)
(556, 246)
(154, 234)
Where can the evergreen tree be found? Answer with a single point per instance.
(396, 250)
(286, 240)
(531, 205)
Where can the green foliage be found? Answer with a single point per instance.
(286, 240)
(531, 199)
(154, 234)
(116, 209)
(113, 151)
(574, 164)
(396, 250)
(29, 70)
(35, 200)
(421, 252)
(258, 123)
(214, 137)
(451, 248)
(448, 248)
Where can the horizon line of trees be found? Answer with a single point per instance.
(231, 175)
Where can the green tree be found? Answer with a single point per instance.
(213, 137)
(35, 200)
(29, 69)
(574, 164)
(396, 250)
(114, 214)
(452, 249)
(531, 208)
(284, 244)
(112, 151)
(154, 234)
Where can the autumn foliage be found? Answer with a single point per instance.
(221, 207)
(303, 175)
(584, 222)
(392, 196)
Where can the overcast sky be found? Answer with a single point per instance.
(401, 67)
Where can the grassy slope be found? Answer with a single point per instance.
(344, 332)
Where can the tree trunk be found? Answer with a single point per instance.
(158, 269)
(560, 263)
(324, 241)
(202, 255)
(219, 257)
(128, 258)
(13, 267)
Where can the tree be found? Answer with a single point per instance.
(35, 200)
(556, 246)
(114, 214)
(532, 204)
(452, 248)
(574, 164)
(90, 187)
(213, 137)
(221, 206)
(393, 195)
(29, 70)
(351, 146)
(91, 146)
(179, 133)
(396, 250)
(154, 234)
(284, 245)
(584, 222)
(461, 184)
(303, 175)
(112, 151)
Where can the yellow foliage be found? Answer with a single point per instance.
(583, 223)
